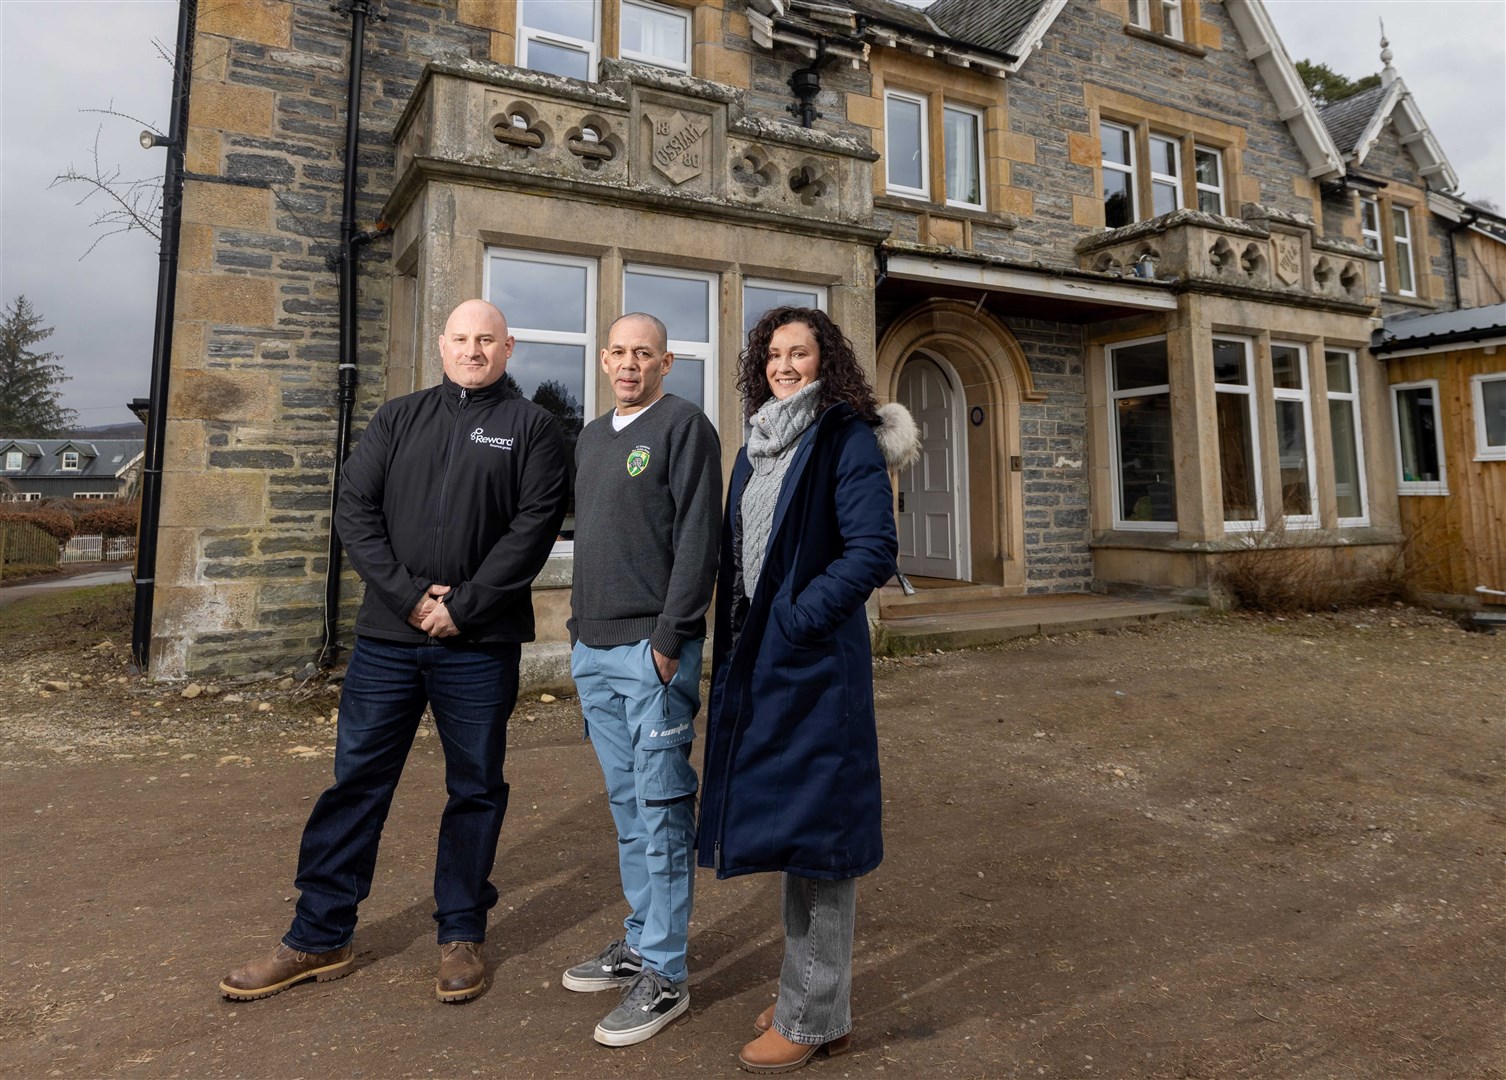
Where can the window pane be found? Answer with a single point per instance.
(1493, 397)
(687, 379)
(1209, 202)
(554, 377)
(1163, 156)
(556, 60)
(1171, 18)
(963, 183)
(1286, 367)
(1163, 197)
(681, 304)
(1417, 428)
(1291, 449)
(1208, 171)
(1118, 199)
(758, 299)
(1116, 144)
(1139, 13)
(1337, 365)
(1369, 215)
(571, 18)
(1346, 459)
(903, 143)
(1147, 475)
(1236, 458)
(1229, 363)
(540, 296)
(1140, 365)
(653, 33)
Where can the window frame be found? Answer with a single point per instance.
(1252, 417)
(663, 9)
(1200, 187)
(1129, 170)
(704, 351)
(592, 49)
(1172, 9)
(981, 159)
(923, 102)
(1115, 446)
(1139, 13)
(15, 461)
(1352, 396)
(1172, 180)
(1484, 450)
(1419, 487)
(93, 496)
(68, 461)
(1375, 234)
(1406, 267)
(1303, 395)
(821, 293)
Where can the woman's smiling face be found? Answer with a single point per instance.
(794, 360)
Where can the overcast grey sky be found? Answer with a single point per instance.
(58, 57)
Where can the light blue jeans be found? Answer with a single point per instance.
(815, 981)
(642, 731)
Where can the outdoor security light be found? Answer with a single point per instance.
(149, 139)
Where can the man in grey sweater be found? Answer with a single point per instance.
(648, 512)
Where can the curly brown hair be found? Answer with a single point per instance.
(842, 377)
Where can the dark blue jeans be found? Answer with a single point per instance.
(472, 690)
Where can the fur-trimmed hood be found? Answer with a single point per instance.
(898, 437)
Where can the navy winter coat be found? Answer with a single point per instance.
(791, 777)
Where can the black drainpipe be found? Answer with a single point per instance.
(350, 242)
(162, 342)
(1453, 253)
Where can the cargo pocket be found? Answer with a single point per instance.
(665, 775)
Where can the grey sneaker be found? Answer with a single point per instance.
(649, 1002)
(616, 965)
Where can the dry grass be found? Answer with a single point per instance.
(1281, 573)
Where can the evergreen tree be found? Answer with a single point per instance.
(1326, 85)
(29, 381)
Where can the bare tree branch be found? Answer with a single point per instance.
(129, 204)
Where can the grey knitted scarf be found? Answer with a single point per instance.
(775, 432)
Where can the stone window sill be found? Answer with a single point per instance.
(1161, 39)
(954, 213)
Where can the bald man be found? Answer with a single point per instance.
(448, 508)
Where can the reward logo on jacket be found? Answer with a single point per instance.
(480, 436)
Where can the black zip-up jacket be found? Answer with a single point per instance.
(462, 487)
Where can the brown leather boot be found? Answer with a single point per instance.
(283, 968)
(462, 973)
(765, 1020)
(771, 1052)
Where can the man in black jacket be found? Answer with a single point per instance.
(448, 508)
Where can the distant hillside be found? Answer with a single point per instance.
(134, 430)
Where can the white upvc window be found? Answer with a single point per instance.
(761, 297)
(1145, 492)
(1370, 232)
(70, 461)
(686, 302)
(14, 460)
(1345, 435)
(1139, 13)
(656, 34)
(1165, 174)
(95, 496)
(962, 128)
(1420, 464)
(1401, 240)
(20, 496)
(1171, 19)
(1292, 391)
(550, 304)
(561, 37)
(1208, 166)
(1489, 396)
(1238, 435)
(907, 162)
(1118, 160)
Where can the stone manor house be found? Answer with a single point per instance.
(1107, 251)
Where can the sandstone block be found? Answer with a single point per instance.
(223, 395)
(225, 299)
(217, 500)
(246, 109)
(266, 22)
(227, 207)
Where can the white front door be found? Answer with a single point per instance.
(930, 543)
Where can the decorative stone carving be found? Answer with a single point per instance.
(1221, 254)
(752, 171)
(677, 149)
(1286, 251)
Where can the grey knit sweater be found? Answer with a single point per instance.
(775, 431)
(647, 521)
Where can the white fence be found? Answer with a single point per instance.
(82, 549)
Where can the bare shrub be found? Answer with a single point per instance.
(1280, 572)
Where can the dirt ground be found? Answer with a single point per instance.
(1234, 847)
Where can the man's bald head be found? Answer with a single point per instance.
(475, 344)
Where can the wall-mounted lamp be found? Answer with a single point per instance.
(150, 139)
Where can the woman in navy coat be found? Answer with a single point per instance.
(791, 776)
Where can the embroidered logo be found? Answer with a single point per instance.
(657, 734)
(637, 461)
(480, 436)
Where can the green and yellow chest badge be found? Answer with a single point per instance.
(637, 461)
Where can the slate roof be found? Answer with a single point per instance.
(97, 457)
(894, 14)
(1444, 327)
(1347, 120)
(992, 24)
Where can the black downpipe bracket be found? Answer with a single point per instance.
(350, 242)
(162, 342)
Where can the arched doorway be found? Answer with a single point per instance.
(932, 513)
